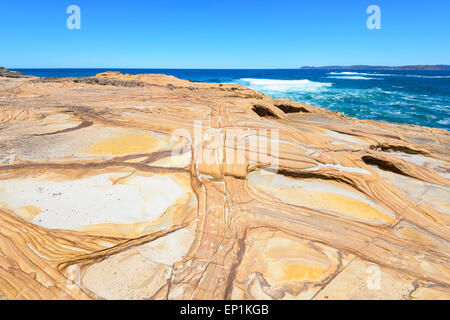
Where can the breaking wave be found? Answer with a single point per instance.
(427, 77)
(285, 85)
(354, 78)
(356, 74)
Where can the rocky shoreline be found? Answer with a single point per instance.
(152, 187)
(10, 74)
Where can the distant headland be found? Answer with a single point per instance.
(368, 67)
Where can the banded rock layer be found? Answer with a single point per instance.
(152, 187)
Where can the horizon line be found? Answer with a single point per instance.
(233, 68)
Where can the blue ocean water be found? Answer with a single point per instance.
(418, 97)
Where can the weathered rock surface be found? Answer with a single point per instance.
(10, 74)
(103, 195)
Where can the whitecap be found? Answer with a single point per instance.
(355, 78)
(285, 85)
(346, 73)
(427, 77)
(374, 74)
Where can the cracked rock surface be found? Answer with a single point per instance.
(103, 195)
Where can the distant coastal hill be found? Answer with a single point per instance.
(367, 67)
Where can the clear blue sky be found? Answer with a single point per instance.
(222, 33)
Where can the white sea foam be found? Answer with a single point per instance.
(427, 77)
(388, 75)
(285, 85)
(346, 73)
(355, 78)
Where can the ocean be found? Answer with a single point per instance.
(420, 97)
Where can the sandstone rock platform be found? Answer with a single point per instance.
(152, 187)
